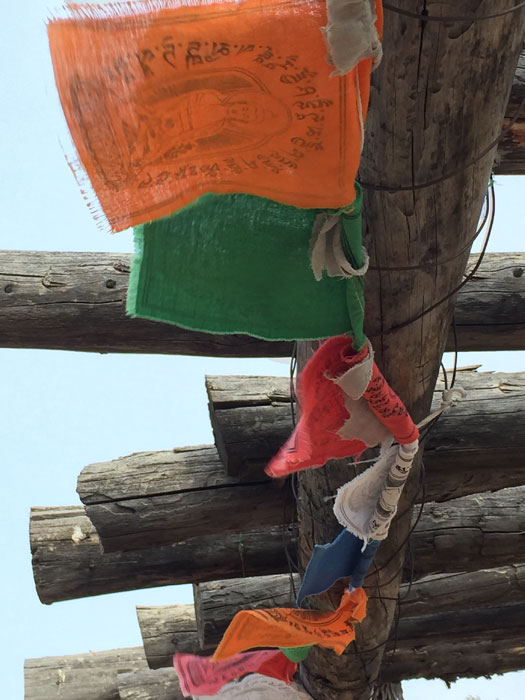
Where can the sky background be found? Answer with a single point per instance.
(60, 411)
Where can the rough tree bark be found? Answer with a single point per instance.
(76, 301)
(430, 119)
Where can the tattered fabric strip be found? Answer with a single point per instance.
(366, 505)
(199, 675)
(342, 558)
(291, 627)
(351, 33)
(346, 406)
(257, 687)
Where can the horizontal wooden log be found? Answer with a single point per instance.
(170, 627)
(475, 446)
(68, 561)
(154, 498)
(469, 533)
(510, 159)
(76, 301)
(149, 685)
(217, 602)
(92, 676)
(459, 632)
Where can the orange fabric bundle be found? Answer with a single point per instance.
(292, 627)
(166, 101)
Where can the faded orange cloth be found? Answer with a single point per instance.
(164, 105)
(293, 627)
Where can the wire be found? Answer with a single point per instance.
(455, 18)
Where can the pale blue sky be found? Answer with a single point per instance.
(61, 411)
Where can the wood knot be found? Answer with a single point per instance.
(8, 288)
(517, 272)
(121, 266)
(111, 284)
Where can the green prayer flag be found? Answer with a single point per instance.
(240, 264)
(296, 654)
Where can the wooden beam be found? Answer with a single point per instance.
(149, 685)
(161, 497)
(76, 301)
(166, 629)
(68, 561)
(217, 602)
(510, 159)
(251, 419)
(92, 676)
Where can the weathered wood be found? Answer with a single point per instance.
(469, 533)
(150, 685)
(76, 301)
(68, 561)
(510, 159)
(251, 418)
(153, 498)
(92, 676)
(430, 122)
(217, 602)
(166, 629)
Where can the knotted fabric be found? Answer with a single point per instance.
(367, 504)
(346, 406)
(257, 687)
(290, 627)
(351, 33)
(241, 264)
(198, 675)
(342, 558)
(168, 101)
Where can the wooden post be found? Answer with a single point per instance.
(431, 120)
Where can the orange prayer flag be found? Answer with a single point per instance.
(294, 627)
(166, 101)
